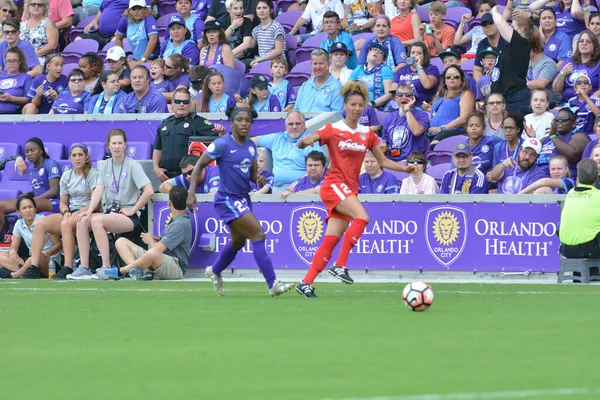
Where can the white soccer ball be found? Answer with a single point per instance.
(418, 296)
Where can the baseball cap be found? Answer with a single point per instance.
(212, 26)
(138, 3)
(487, 18)
(449, 52)
(260, 81)
(115, 53)
(176, 19)
(339, 46)
(380, 47)
(488, 50)
(461, 148)
(532, 143)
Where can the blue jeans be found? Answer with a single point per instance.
(518, 101)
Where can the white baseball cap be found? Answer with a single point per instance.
(532, 143)
(139, 3)
(115, 53)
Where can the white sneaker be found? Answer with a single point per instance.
(216, 280)
(279, 288)
(80, 274)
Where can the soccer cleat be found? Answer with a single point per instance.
(216, 280)
(139, 274)
(280, 288)
(306, 290)
(32, 273)
(5, 274)
(62, 273)
(108, 273)
(80, 274)
(341, 273)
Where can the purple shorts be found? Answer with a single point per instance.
(55, 205)
(230, 208)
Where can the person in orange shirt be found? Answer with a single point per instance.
(405, 25)
(437, 35)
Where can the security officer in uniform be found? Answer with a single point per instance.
(172, 137)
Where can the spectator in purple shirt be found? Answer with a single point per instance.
(513, 176)
(176, 73)
(180, 41)
(46, 88)
(75, 100)
(143, 99)
(14, 82)
(465, 178)
(103, 27)
(311, 182)
(375, 180)
(587, 152)
(11, 32)
(403, 130)
(560, 181)
(368, 118)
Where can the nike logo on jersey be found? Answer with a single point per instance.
(232, 151)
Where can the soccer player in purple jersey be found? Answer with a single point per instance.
(236, 159)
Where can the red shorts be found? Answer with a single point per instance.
(468, 56)
(333, 194)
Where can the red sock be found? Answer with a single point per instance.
(353, 233)
(321, 258)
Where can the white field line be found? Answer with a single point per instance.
(517, 394)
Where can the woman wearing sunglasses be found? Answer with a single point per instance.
(563, 140)
(451, 107)
(418, 182)
(38, 29)
(11, 32)
(75, 100)
(496, 110)
(176, 72)
(8, 9)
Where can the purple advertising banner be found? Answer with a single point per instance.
(511, 237)
(67, 132)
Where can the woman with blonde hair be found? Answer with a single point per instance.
(38, 29)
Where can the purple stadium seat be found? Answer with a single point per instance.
(291, 44)
(303, 52)
(437, 171)
(423, 13)
(299, 74)
(263, 68)
(9, 194)
(12, 180)
(162, 24)
(381, 117)
(55, 150)
(366, 36)
(9, 149)
(139, 150)
(443, 150)
(288, 20)
(65, 165)
(467, 66)
(455, 14)
(438, 63)
(68, 68)
(73, 52)
(96, 150)
(166, 7)
(126, 47)
(78, 30)
(234, 81)
(399, 175)
(284, 4)
(239, 66)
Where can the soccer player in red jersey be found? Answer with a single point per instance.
(347, 142)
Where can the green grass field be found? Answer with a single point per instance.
(158, 340)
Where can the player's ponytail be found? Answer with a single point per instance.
(354, 88)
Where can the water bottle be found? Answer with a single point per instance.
(350, 20)
(51, 268)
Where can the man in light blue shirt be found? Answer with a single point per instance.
(288, 160)
(321, 93)
(332, 26)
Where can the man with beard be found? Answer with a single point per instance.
(513, 176)
(403, 130)
(465, 178)
(288, 159)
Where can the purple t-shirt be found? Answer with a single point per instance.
(406, 76)
(549, 150)
(368, 117)
(15, 85)
(567, 184)
(501, 152)
(66, 103)
(235, 165)
(483, 153)
(152, 102)
(181, 79)
(62, 83)
(269, 177)
(271, 104)
(567, 24)
(585, 117)
(587, 152)
(593, 75)
(112, 11)
(558, 47)
(28, 50)
(453, 183)
(399, 138)
(515, 179)
(163, 87)
(40, 177)
(210, 183)
(385, 183)
(305, 184)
